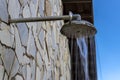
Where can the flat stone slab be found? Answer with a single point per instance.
(3, 11)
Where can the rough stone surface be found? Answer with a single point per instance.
(38, 76)
(14, 8)
(19, 49)
(0, 61)
(23, 71)
(15, 68)
(23, 32)
(5, 77)
(36, 50)
(8, 57)
(31, 48)
(1, 72)
(3, 11)
(6, 36)
(18, 77)
(41, 7)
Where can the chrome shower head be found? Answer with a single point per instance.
(78, 28)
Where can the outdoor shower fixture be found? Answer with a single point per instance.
(72, 29)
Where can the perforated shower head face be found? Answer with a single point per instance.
(78, 28)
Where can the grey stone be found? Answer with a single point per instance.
(53, 36)
(40, 50)
(27, 14)
(34, 29)
(35, 2)
(18, 77)
(23, 31)
(8, 38)
(39, 60)
(18, 47)
(42, 37)
(34, 8)
(23, 2)
(33, 65)
(62, 78)
(3, 11)
(6, 77)
(49, 48)
(8, 56)
(0, 49)
(4, 26)
(0, 61)
(58, 27)
(14, 8)
(38, 76)
(26, 11)
(0, 54)
(57, 7)
(15, 68)
(39, 25)
(44, 25)
(40, 73)
(41, 7)
(48, 73)
(45, 75)
(48, 7)
(1, 72)
(26, 60)
(31, 48)
(7, 1)
(23, 71)
(28, 77)
(57, 74)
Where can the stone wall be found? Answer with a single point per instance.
(32, 51)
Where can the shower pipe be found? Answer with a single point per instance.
(73, 29)
(47, 18)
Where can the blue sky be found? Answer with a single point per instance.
(107, 22)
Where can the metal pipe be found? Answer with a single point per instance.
(49, 18)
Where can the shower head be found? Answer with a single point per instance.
(78, 28)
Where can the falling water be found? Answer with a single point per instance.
(83, 55)
(79, 56)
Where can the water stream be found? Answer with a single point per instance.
(82, 46)
(79, 58)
